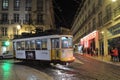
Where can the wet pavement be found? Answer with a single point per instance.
(96, 69)
(13, 70)
(84, 68)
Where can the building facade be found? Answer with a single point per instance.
(17, 16)
(96, 26)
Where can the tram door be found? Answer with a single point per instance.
(55, 48)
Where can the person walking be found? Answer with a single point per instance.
(115, 54)
(96, 51)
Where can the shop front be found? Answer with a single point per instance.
(114, 37)
(90, 43)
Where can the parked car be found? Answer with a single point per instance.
(6, 55)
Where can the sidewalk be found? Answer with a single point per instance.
(102, 58)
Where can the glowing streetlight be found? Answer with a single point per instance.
(18, 28)
(102, 32)
(113, 0)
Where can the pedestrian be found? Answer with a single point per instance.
(115, 54)
(96, 51)
(111, 53)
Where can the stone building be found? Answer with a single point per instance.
(17, 16)
(97, 26)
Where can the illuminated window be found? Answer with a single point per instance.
(20, 45)
(27, 45)
(32, 44)
(5, 4)
(44, 44)
(38, 44)
(16, 5)
(66, 42)
(55, 43)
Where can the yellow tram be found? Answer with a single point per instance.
(48, 48)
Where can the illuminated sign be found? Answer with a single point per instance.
(85, 40)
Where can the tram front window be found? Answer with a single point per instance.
(66, 42)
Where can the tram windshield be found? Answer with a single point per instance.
(66, 42)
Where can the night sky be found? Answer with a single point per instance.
(64, 11)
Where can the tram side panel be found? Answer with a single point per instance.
(20, 54)
(44, 55)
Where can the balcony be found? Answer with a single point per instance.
(117, 13)
(107, 19)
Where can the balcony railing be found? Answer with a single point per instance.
(117, 11)
(107, 18)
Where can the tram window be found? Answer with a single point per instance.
(55, 43)
(66, 42)
(27, 45)
(22, 45)
(44, 44)
(38, 44)
(18, 45)
(32, 45)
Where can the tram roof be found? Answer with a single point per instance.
(48, 33)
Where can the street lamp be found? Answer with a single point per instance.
(113, 0)
(102, 32)
(18, 28)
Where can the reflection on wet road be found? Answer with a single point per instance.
(12, 70)
(5, 70)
